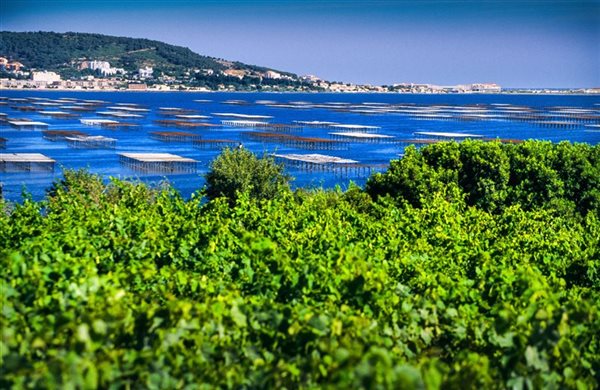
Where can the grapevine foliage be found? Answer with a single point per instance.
(490, 280)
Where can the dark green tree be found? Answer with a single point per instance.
(239, 170)
(410, 179)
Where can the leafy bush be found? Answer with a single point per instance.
(493, 176)
(239, 170)
(79, 182)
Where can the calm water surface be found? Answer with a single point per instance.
(554, 118)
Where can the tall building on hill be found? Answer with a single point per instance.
(99, 65)
(269, 74)
(146, 72)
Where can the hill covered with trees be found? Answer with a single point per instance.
(49, 50)
(464, 266)
(64, 52)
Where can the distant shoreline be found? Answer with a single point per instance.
(533, 92)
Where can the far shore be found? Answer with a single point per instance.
(518, 92)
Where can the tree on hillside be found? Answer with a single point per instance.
(239, 170)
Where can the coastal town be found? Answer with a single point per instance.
(101, 75)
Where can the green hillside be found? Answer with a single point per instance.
(49, 50)
(63, 52)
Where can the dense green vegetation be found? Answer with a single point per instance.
(239, 170)
(494, 176)
(49, 50)
(62, 52)
(458, 278)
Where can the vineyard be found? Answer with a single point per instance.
(472, 265)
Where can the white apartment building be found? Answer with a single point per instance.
(99, 65)
(146, 72)
(269, 74)
(102, 66)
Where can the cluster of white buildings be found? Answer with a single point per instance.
(310, 78)
(136, 81)
(272, 75)
(41, 82)
(102, 66)
(486, 87)
(463, 88)
(107, 70)
(240, 74)
(42, 76)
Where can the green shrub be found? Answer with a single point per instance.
(239, 170)
(494, 176)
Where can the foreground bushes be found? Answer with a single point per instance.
(124, 285)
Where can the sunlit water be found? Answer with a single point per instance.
(392, 113)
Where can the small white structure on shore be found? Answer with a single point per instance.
(486, 87)
(45, 76)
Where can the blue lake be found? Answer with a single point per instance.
(399, 116)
